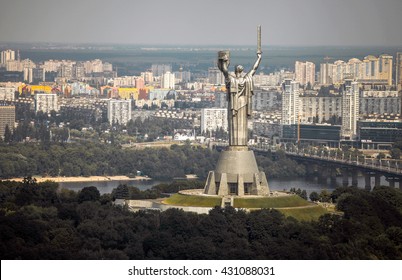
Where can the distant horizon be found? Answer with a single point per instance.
(203, 23)
(131, 59)
(110, 44)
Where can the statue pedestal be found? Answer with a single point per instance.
(236, 173)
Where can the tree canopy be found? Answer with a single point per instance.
(90, 159)
(59, 224)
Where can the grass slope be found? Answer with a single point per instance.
(192, 200)
(291, 205)
(270, 202)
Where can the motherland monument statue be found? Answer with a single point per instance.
(236, 172)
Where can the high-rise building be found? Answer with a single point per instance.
(107, 67)
(300, 72)
(353, 69)
(290, 102)
(214, 118)
(78, 71)
(148, 77)
(51, 65)
(16, 65)
(7, 118)
(160, 69)
(221, 99)
(119, 111)
(7, 93)
(66, 71)
(168, 80)
(385, 68)
(338, 71)
(215, 76)
(380, 102)
(319, 109)
(94, 66)
(265, 100)
(371, 67)
(398, 70)
(7, 55)
(272, 79)
(305, 73)
(183, 76)
(326, 72)
(34, 75)
(350, 109)
(310, 73)
(46, 102)
(124, 81)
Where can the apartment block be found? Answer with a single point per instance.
(46, 102)
(7, 118)
(119, 111)
(214, 118)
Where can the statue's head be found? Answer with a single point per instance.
(239, 69)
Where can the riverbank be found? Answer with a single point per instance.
(84, 179)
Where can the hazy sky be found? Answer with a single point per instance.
(203, 22)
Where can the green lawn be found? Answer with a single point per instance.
(270, 202)
(192, 200)
(308, 213)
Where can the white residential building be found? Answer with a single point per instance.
(46, 102)
(7, 93)
(16, 65)
(320, 108)
(305, 73)
(326, 70)
(119, 111)
(148, 77)
(290, 102)
(51, 65)
(168, 80)
(124, 81)
(266, 100)
(7, 55)
(107, 67)
(371, 68)
(214, 118)
(350, 109)
(93, 66)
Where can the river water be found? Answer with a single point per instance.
(274, 184)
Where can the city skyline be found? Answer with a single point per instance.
(178, 22)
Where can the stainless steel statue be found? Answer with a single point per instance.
(239, 92)
(236, 172)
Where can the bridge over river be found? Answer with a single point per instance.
(350, 164)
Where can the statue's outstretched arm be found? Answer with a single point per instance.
(223, 66)
(256, 64)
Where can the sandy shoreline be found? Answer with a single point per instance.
(83, 179)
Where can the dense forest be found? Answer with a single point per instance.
(86, 159)
(41, 221)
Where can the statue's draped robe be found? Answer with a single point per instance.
(240, 90)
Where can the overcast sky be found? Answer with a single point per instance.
(203, 22)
